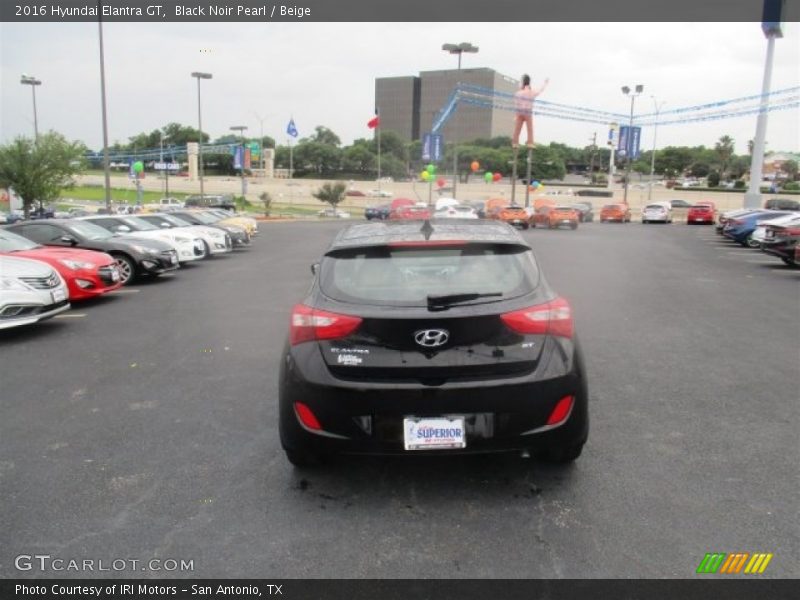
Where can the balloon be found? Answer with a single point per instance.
(440, 182)
(488, 176)
(475, 165)
(541, 187)
(138, 166)
(497, 177)
(425, 176)
(431, 169)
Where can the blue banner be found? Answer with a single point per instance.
(629, 139)
(291, 129)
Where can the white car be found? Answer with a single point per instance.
(188, 247)
(759, 234)
(379, 194)
(456, 211)
(332, 213)
(658, 212)
(215, 240)
(444, 203)
(30, 291)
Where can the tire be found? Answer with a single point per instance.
(789, 262)
(127, 268)
(303, 459)
(644, 221)
(208, 250)
(751, 243)
(563, 454)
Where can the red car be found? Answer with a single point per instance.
(702, 212)
(87, 273)
(411, 212)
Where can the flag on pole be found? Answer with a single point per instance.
(291, 129)
(374, 121)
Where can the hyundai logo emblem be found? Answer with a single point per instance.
(431, 338)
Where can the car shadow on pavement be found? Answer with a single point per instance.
(31, 332)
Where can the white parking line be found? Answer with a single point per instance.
(761, 262)
(785, 270)
(125, 291)
(70, 316)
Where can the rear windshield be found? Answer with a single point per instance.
(654, 207)
(611, 207)
(406, 276)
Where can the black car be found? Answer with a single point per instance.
(135, 257)
(239, 237)
(586, 215)
(442, 338)
(780, 241)
(680, 204)
(377, 212)
(782, 204)
(210, 201)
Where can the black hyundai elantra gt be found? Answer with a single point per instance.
(420, 338)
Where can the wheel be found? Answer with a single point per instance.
(127, 268)
(644, 221)
(207, 249)
(303, 458)
(751, 243)
(525, 226)
(789, 262)
(563, 454)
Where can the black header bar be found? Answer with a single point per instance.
(427, 11)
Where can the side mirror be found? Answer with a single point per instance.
(68, 239)
(315, 268)
(122, 229)
(165, 225)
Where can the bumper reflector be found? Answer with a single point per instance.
(561, 411)
(306, 417)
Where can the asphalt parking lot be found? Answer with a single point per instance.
(144, 425)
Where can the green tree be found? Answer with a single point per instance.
(178, 135)
(358, 158)
(37, 171)
(790, 168)
(323, 135)
(332, 193)
(724, 150)
(317, 158)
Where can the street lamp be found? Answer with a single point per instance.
(627, 91)
(241, 129)
(658, 106)
(261, 140)
(33, 82)
(458, 49)
(200, 76)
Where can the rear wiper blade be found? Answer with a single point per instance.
(442, 302)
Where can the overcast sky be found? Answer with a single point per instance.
(324, 74)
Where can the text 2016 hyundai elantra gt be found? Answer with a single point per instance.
(417, 338)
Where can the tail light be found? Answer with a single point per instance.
(792, 231)
(309, 324)
(554, 318)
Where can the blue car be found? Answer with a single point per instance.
(741, 227)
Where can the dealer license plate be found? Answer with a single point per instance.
(173, 259)
(439, 433)
(114, 275)
(58, 296)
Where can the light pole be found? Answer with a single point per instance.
(241, 129)
(198, 75)
(458, 49)
(629, 141)
(658, 106)
(33, 82)
(106, 161)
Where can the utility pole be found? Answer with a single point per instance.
(594, 151)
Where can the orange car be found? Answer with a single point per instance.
(494, 206)
(615, 212)
(553, 217)
(514, 215)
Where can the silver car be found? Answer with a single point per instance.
(30, 291)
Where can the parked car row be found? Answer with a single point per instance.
(47, 264)
(775, 232)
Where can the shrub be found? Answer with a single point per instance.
(266, 200)
(713, 179)
(738, 184)
(791, 186)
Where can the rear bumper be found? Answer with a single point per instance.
(500, 415)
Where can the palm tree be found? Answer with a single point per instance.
(724, 150)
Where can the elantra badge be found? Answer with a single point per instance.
(431, 338)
